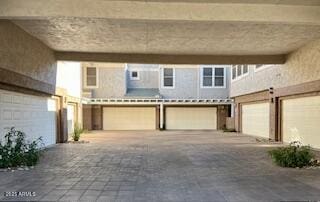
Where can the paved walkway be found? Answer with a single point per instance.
(162, 166)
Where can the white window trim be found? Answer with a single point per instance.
(85, 78)
(241, 76)
(173, 76)
(262, 68)
(134, 78)
(213, 76)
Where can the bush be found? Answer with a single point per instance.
(293, 155)
(77, 131)
(15, 151)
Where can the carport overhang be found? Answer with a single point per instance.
(177, 32)
(170, 59)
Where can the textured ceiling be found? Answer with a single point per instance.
(280, 2)
(154, 37)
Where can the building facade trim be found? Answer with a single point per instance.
(17, 80)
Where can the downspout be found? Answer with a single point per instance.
(198, 82)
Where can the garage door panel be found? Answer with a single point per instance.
(36, 116)
(129, 118)
(191, 118)
(255, 119)
(300, 120)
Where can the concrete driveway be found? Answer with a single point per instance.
(162, 166)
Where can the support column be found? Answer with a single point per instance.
(161, 117)
(274, 113)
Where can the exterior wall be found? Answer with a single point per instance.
(69, 78)
(301, 66)
(114, 81)
(262, 96)
(222, 115)
(28, 66)
(111, 80)
(25, 55)
(34, 115)
(230, 123)
(68, 87)
(187, 85)
(97, 117)
(148, 76)
(219, 93)
(87, 117)
(300, 76)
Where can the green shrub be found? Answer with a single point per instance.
(15, 151)
(77, 131)
(293, 155)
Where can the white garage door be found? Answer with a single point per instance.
(301, 120)
(191, 118)
(129, 118)
(34, 115)
(255, 119)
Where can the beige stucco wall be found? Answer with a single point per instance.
(302, 66)
(24, 54)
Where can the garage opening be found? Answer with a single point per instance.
(191, 118)
(300, 118)
(129, 118)
(255, 119)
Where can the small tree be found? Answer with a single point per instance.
(77, 131)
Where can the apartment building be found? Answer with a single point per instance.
(122, 96)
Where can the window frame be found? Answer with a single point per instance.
(242, 74)
(173, 78)
(134, 78)
(213, 76)
(86, 78)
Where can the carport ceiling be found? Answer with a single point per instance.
(278, 2)
(178, 27)
(160, 37)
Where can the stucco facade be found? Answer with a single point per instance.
(23, 54)
(302, 66)
(299, 77)
(28, 72)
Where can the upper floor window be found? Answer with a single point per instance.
(168, 77)
(213, 77)
(91, 77)
(134, 75)
(239, 71)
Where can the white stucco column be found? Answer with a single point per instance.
(161, 116)
(232, 110)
